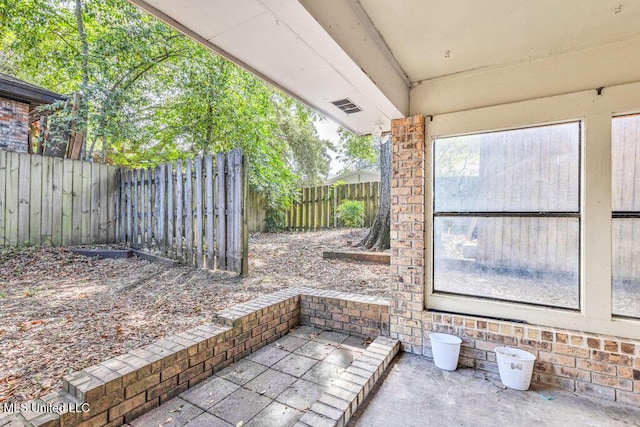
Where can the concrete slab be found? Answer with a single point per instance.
(290, 343)
(205, 420)
(301, 394)
(270, 383)
(331, 337)
(176, 412)
(306, 332)
(295, 365)
(242, 372)
(210, 392)
(341, 357)
(276, 414)
(416, 393)
(315, 350)
(241, 405)
(323, 373)
(267, 356)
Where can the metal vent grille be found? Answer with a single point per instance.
(347, 106)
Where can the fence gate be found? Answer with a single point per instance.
(192, 211)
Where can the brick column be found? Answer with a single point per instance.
(407, 231)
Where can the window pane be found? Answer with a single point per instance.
(531, 260)
(625, 157)
(626, 267)
(524, 170)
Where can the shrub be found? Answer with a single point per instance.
(351, 213)
(275, 220)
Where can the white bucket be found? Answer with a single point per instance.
(446, 349)
(515, 366)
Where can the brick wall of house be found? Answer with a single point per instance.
(14, 125)
(590, 364)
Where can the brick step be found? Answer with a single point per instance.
(336, 406)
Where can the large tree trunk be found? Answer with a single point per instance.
(378, 238)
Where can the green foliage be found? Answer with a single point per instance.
(152, 95)
(275, 220)
(351, 213)
(357, 152)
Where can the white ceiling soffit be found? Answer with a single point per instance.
(279, 41)
(433, 38)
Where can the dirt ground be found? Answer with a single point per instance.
(61, 312)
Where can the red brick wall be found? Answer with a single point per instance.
(14, 125)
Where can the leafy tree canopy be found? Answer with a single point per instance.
(152, 95)
(358, 152)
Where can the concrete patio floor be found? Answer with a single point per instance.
(417, 393)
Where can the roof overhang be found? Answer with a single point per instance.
(18, 90)
(282, 43)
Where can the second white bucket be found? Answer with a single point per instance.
(515, 366)
(446, 349)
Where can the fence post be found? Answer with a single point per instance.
(244, 228)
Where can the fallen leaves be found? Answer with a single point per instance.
(82, 311)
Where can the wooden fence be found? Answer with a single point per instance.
(316, 206)
(52, 201)
(257, 212)
(194, 212)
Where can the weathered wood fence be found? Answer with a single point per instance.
(316, 207)
(193, 211)
(53, 201)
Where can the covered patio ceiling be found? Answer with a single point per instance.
(373, 52)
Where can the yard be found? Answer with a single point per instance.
(64, 312)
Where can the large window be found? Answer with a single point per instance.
(506, 215)
(625, 239)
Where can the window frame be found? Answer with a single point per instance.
(621, 214)
(509, 214)
(595, 112)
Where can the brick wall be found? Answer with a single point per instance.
(600, 366)
(356, 314)
(407, 232)
(14, 125)
(596, 365)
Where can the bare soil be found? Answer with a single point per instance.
(61, 312)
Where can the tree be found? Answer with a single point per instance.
(150, 94)
(379, 236)
(357, 152)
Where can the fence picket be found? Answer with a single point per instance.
(198, 200)
(179, 210)
(208, 166)
(3, 202)
(170, 251)
(221, 206)
(35, 200)
(56, 200)
(188, 201)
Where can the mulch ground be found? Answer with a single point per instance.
(61, 312)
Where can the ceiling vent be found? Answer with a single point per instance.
(347, 106)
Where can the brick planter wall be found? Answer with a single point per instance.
(356, 314)
(596, 365)
(14, 125)
(122, 388)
